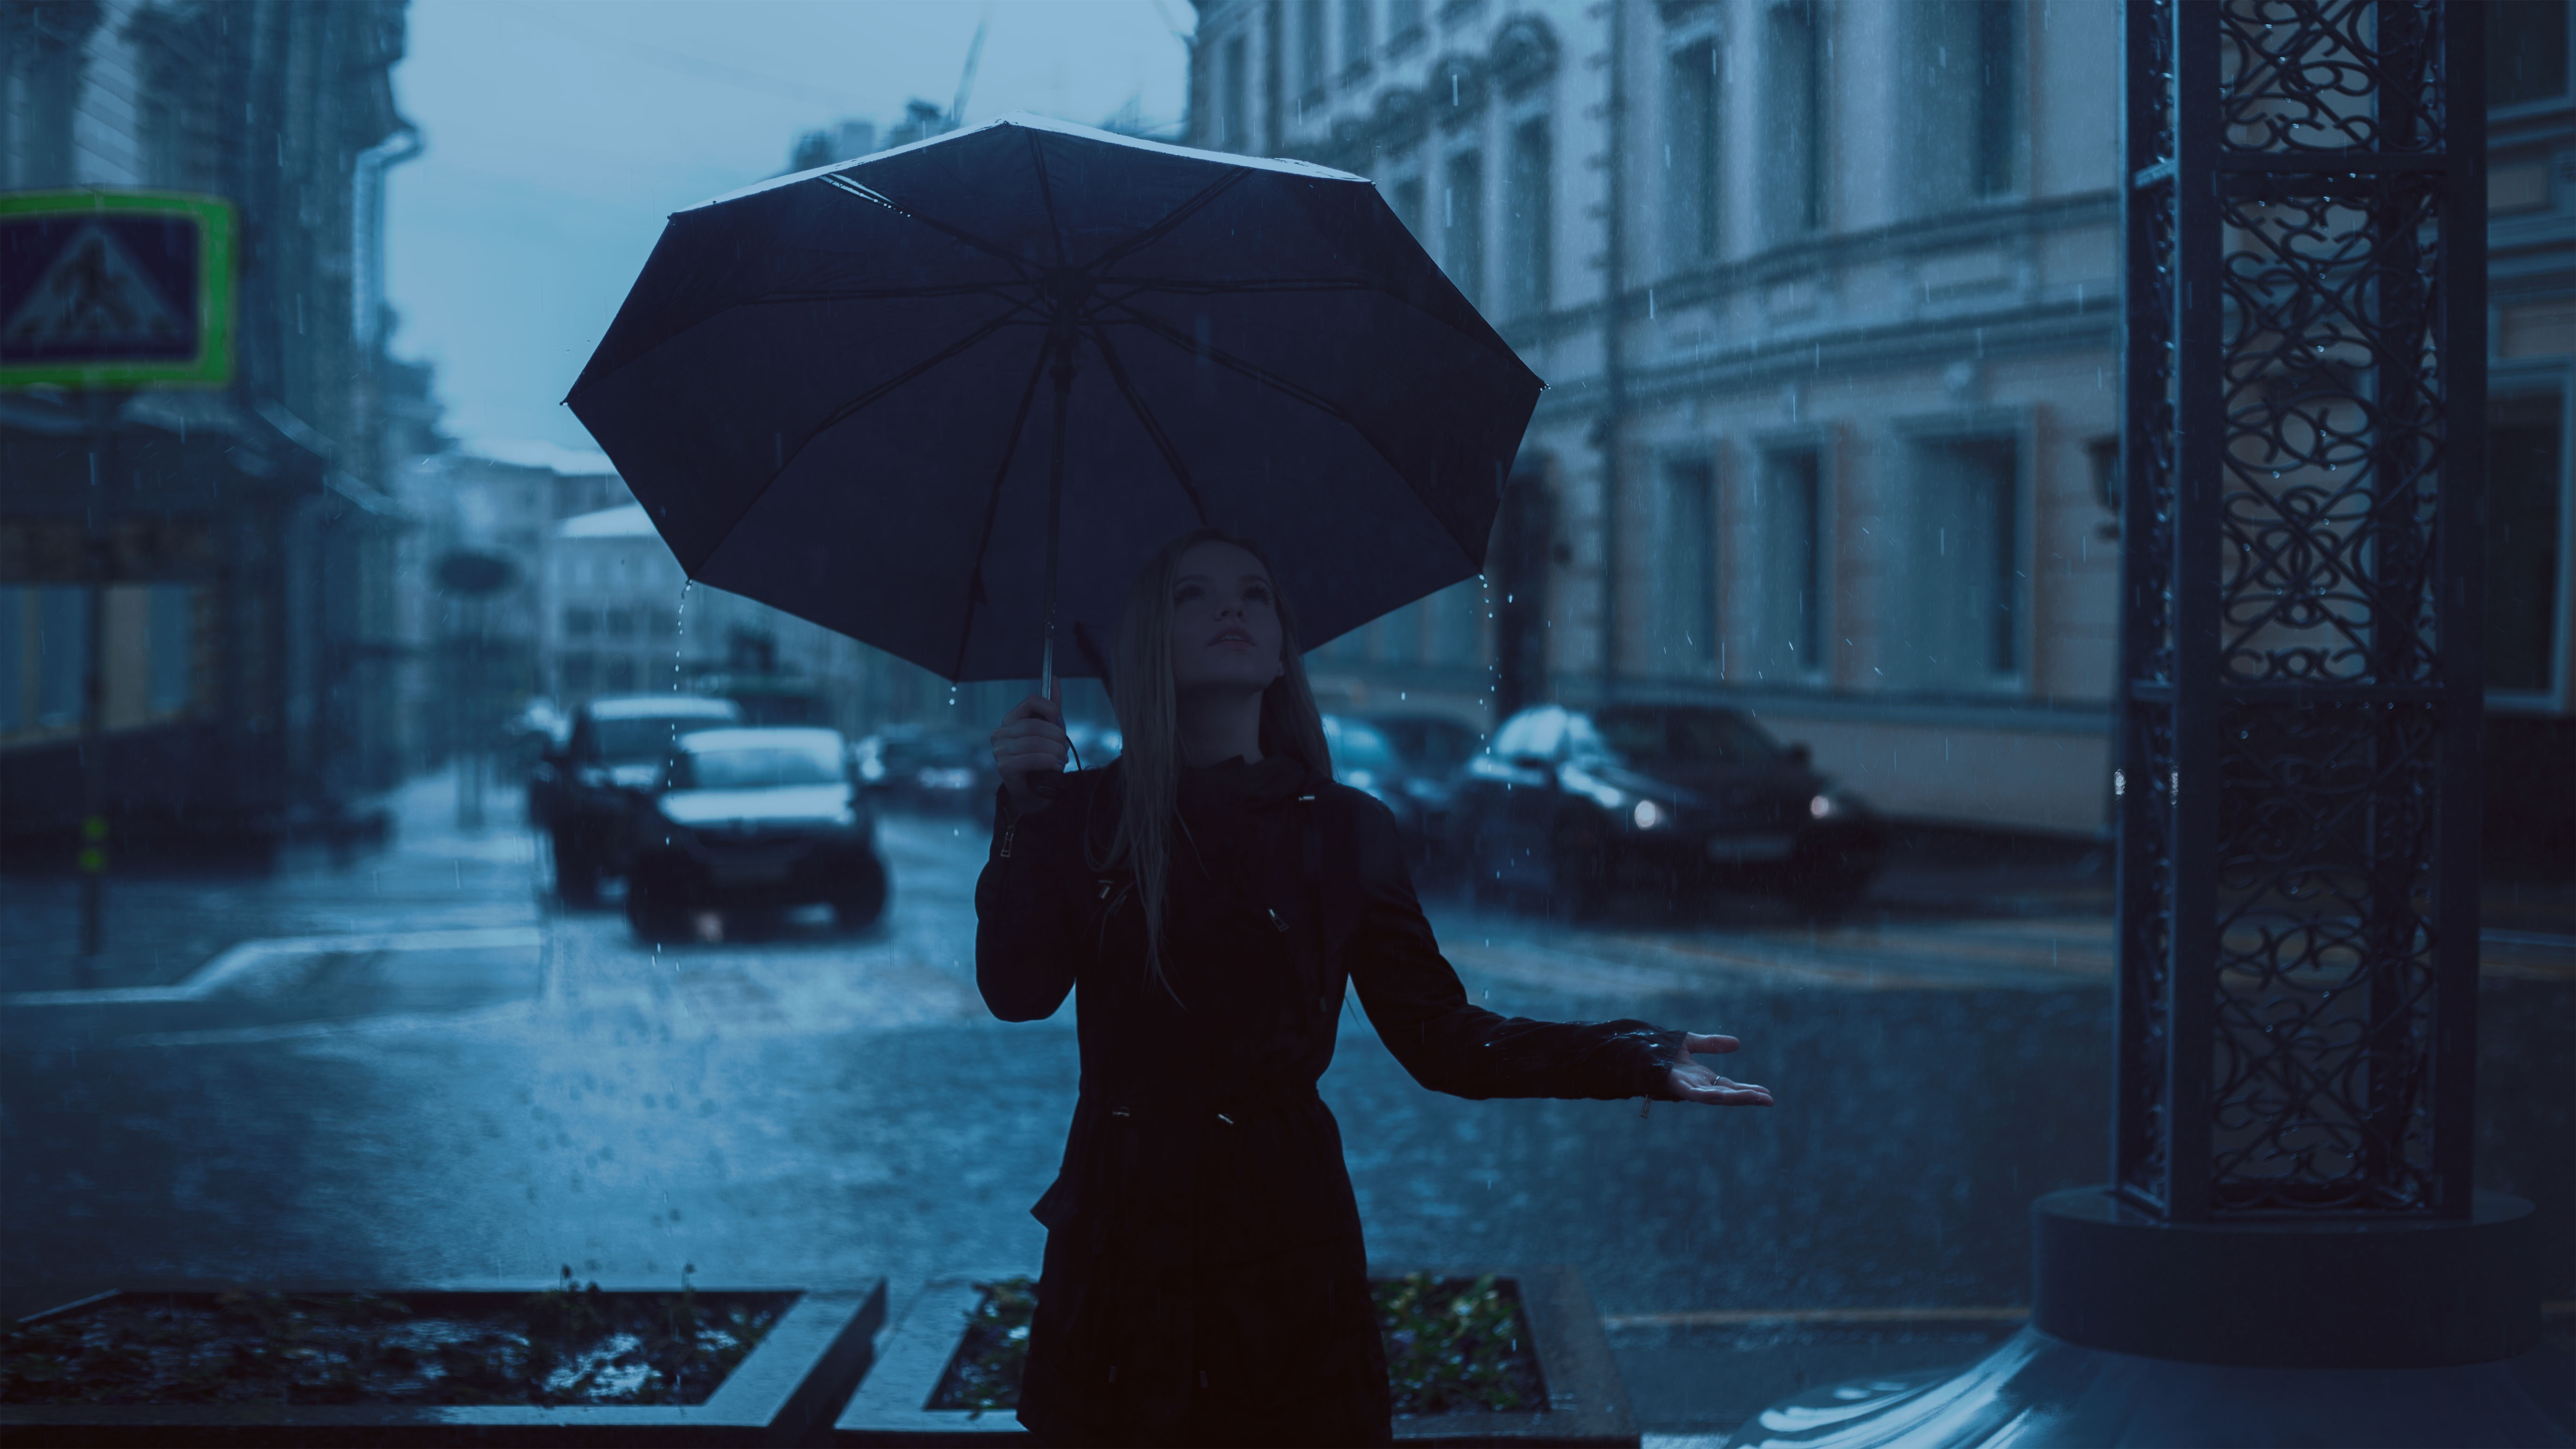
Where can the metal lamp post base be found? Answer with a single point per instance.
(2150, 1333)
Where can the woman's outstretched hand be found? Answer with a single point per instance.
(1692, 1081)
(1028, 745)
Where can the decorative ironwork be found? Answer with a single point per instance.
(2300, 687)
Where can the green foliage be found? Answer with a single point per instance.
(1453, 1345)
(571, 1344)
(986, 1372)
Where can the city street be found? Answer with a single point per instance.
(406, 1066)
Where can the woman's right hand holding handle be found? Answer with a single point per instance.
(1029, 748)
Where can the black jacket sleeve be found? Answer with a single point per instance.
(1024, 904)
(1420, 1011)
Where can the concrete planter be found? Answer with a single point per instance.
(1587, 1405)
(781, 1393)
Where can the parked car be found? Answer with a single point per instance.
(1574, 805)
(764, 818)
(588, 792)
(1433, 748)
(936, 772)
(1364, 759)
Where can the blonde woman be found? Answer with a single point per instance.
(1211, 895)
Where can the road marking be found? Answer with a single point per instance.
(340, 1026)
(250, 956)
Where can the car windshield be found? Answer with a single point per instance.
(760, 767)
(1685, 736)
(628, 741)
(1359, 746)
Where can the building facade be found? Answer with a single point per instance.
(1826, 294)
(251, 647)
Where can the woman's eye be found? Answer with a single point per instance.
(1186, 593)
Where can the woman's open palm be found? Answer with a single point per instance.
(1694, 1081)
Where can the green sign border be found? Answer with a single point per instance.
(213, 364)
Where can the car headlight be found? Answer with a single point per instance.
(1649, 815)
(635, 777)
(1829, 806)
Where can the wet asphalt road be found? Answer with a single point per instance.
(426, 1074)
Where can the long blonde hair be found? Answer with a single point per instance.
(1149, 723)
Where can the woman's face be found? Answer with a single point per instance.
(1225, 621)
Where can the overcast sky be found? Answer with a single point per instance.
(561, 132)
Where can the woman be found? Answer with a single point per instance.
(1211, 895)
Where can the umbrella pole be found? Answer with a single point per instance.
(1055, 513)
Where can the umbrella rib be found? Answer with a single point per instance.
(1163, 228)
(1153, 426)
(1257, 373)
(864, 193)
(879, 294)
(1046, 196)
(845, 411)
(1160, 328)
(1244, 286)
(842, 414)
(992, 510)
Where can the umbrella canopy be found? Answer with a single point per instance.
(875, 395)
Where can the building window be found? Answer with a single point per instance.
(1789, 565)
(1358, 37)
(621, 672)
(62, 654)
(580, 673)
(621, 623)
(1406, 195)
(1310, 51)
(1530, 230)
(1234, 96)
(1403, 21)
(1686, 568)
(1964, 552)
(1793, 173)
(1964, 87)
(170, 648)
(13, 659)
(1462, 224)
(2527, 44)
(580, 623)
(1690, 155)
(2526, 463)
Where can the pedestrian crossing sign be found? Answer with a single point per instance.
(115, 289)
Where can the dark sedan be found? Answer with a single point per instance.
(1575, 805)
(588, 793)
(757, 819)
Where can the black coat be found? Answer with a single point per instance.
(1205, 1280)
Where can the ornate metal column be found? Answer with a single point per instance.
(2291, 1248)
(2300, 687)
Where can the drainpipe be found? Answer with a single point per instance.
(1606, 429)
(367, 218)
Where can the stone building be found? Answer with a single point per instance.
(249, 651)
(1827, 295)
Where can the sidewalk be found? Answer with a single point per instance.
(163, 925)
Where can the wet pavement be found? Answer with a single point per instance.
(406, 1066)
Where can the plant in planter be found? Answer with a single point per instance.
(453, 1364)
(1497, 1357)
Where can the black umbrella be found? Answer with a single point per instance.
(823, 390)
